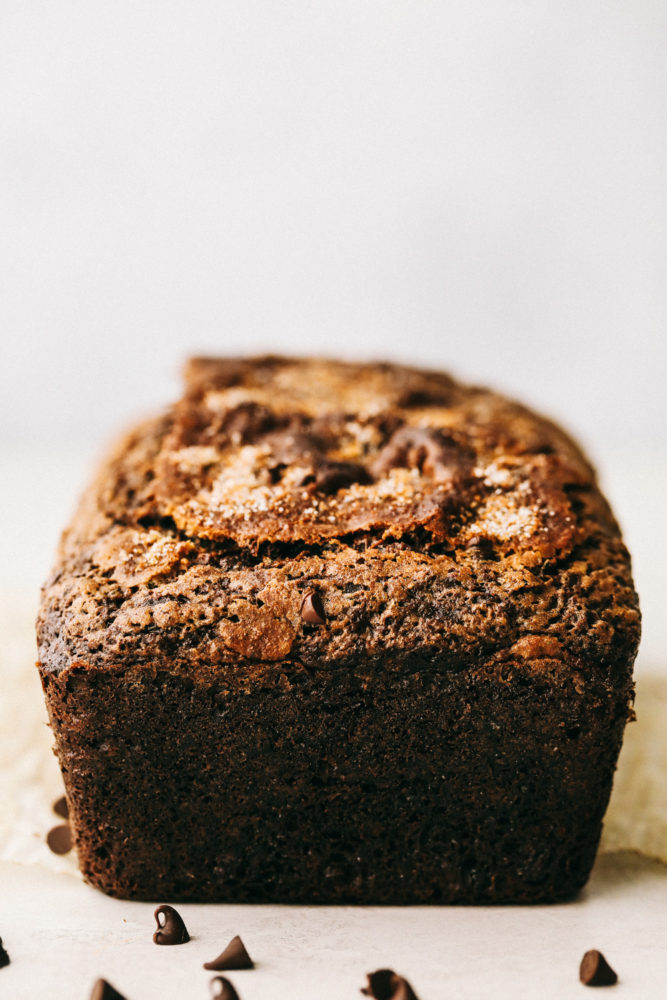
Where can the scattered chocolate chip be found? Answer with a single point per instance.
(102, 990)
(61, 808)
(222, 989)
(379, 984)
(385, 984)
(59, 838)
(312, 609)
(4, 957)
(403, 990)
(595, 970)
(172, 930)
(234, 956)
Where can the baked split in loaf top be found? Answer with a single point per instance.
(433, 520)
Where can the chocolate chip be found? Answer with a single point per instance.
(61, 808)
(595, 970)
(102, 990)
(428, 449)
(172, 930)
(234, 956)
(59, 838)
(312, 609)
(294, 445)
(379, 984)
(276, 472)
(222, 989)
(481, 546)
(385, 984)
(436, 395)
(333, 476)
(403, 990)
(246, 422)
(4, 957)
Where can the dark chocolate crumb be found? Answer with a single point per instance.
(385, 984)
(595, 970)
(4, 957)
(59, 838)
(234, 956)
(222, 989)
(61, 808)
(102, 990)
(312, 609)
(172, 930)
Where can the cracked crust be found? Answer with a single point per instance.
(432, 519)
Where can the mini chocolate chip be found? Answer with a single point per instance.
(4, 957)
(276, 472)
(59, 838)
(234, 956)
(595, 970)
(222, 989)
(102, 990)
(333, 476)
(312, 609)
(61, 808)
(379, 984)
(403, 990)
(428, 449)
(480, 544)
(385, 984)
(173, 930)
(434, 395)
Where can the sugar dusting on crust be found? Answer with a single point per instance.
(503, 518)
(430, 517)
(309, 450)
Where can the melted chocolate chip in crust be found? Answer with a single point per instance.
(385, 984)
(172, 929)
(333, 476)
(595, 970)
(222, 989)
(61, 808)
(102, 990)
(59, 838)
(234, 956)
(430, 450)
(312, 609)
(4, 957)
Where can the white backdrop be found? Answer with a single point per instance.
(478, 185)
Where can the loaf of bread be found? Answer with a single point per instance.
(329, 632)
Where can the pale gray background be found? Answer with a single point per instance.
(476, 185)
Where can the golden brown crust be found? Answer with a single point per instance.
(432, 518)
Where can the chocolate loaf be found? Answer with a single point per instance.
(329, 632)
